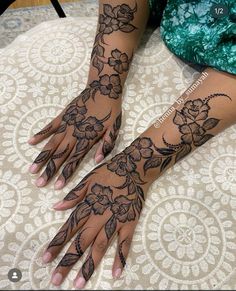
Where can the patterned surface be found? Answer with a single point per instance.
(186, 235)
(16, 21)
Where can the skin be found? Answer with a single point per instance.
(108, 201)
(95, 115)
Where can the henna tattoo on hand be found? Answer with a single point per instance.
(120, 253)
(51, 166)
(123, 208)
(44, 131)
(88, 268)
(43, 156)
(87, 133)
(108, 146)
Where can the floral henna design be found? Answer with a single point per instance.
(119, 61)
(193, 123)
(123, 208)
(108, 146)
(112, 19)
(87, 133)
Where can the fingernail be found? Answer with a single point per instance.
(58, 184)
(47, 257)
(58, 204)
(99, 158)
(33, 168)
(40, 181)
(79, 284)
(31, 140)
(117, 273)
(57, 279)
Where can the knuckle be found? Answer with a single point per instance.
(127, 241)
(100, 246)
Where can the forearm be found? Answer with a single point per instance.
(189, 123)
(119, 29)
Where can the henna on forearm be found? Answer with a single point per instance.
(194, 129)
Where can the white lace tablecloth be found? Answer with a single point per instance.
(186, 237)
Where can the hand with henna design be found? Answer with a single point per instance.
(76, 129)
(96, 113)
(108, 201)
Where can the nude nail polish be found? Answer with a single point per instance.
(33, 168)
(40, 182)
(47, 257)
(117, 273)
(31, 140)
(99, 158)
(58, 184)
(80, 282)
(56, 279)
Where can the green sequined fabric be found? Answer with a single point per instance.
(190, 31)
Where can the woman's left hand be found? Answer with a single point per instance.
(108, 200)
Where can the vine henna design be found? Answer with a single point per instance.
(108, 146)
(193, 124)
(121, 255)
(112, 19)
(123, 208)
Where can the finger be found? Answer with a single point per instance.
(76, 156)
(46, 153)
(77, 248)
(96, 253)
(76, 195)
(57, 159)
(124, 241)
(108, 141)
(47, 130)
(75, 221)
(105, 147)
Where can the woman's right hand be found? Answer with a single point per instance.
(90, 117)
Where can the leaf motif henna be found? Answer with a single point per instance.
(88, 268)
(108, 146)
(50, 169)
(44, 131)
(120, 253)
(110, 226)
(68, 260)
(43, 156)
(59, 239)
